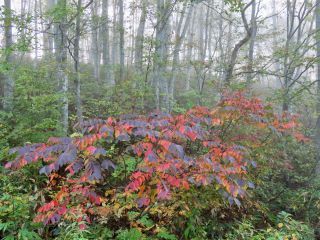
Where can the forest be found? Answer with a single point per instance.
(160, 119)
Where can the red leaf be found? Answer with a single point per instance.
(165, 144)
(62, 210)
(91, 149)
(82, 226)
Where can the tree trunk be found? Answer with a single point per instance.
(8, 87)
(138, 55)
(115, 40)
(180, 35)
(202, 50)
(317, 134)
(227, 52)
(50, 39)
(61, 58)
(132, 40)
(189, 51)
(77, 62)
(106, 44)
(44, 35)
(161, 56)
(121, 43)
(23, 20)
(36, 39)
(286, 62)
(238, 46)
(222, 54)
(252, 42)
(275, 42)
(94, 41)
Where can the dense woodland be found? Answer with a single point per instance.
(160, 119)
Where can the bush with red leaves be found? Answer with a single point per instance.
(201, 147)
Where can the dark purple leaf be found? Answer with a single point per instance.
(100, 151)
(237, 202)
(254, 164)
(106, 129)
(67, 157)
(151, 156)
(230, 200)
(240, 182)
(76, 166)
(106, 164)
(48, 169)
(176, 150)
(251, 185)
(123, 137)
(143, 202)
(94, 170)
(187, 159)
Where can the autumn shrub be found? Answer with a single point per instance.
(143, 172)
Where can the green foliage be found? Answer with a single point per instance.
(125, 167)
(165, 235)
(61, 10)
(146, 222)
(132, 233)
(16, 206)
(36, 113)
(71, 232)
(235, 5)
(129, 96)
(285, 227)
(287, 180)
(24, 36)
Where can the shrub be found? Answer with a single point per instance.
(155, 157)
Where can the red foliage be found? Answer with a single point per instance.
(198, 148)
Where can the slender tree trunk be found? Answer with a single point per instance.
(50, 34)
(23, 15)
(275, 42)
(317, 134)
(77, 62)
(133, 29)
(238, 46)
(222, 56)
(115, 40)
(252, 42)
(287, 70)
(201, 51)
(206, 33)
(106, 44)
(94, 40)
(121, 45)
(138, 55)
(29, 15)
(297, 13)
(180, 35)
(44, 45)
(227, 53)
(201, 30)
(61, 58)
(189, 51)
(23, 20)
(36, 38)
(8, 87)
(210, 32)
(161, 55)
